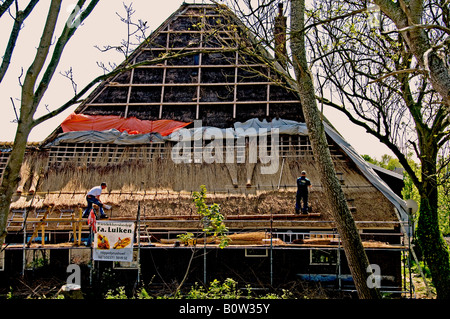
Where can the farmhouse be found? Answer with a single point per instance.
(200, 103)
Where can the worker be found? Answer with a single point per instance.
(303, 184)
(93, 197)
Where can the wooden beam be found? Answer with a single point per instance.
(41, 226)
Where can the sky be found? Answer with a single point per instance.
(102, 28)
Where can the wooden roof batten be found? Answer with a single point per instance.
(236, 82)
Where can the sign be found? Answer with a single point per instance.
(114, 241)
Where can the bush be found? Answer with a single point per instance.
(216, 290)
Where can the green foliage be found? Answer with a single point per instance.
(143, 294)
(37, 263)
(212, 218)
(425, 269)
(185, 238)
(410, 191)
(118, 293)
(444, 194)
(286, 294)
(228, 289)
(387, 161)
(10, 294)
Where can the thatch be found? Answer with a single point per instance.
(164, 189)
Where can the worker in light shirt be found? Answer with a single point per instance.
(93, 197)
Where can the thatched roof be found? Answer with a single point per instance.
(212, 76)
(214, 72)
(163, 189)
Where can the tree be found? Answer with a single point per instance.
(412, 20)
(259, 19)
(212, 222)
(34, 86)
(387, 161)
(351, 241)
(212, 218)
(382, 84)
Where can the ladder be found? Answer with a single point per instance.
(144, 235)
(65, 213)
(16, 222)
(41, 214)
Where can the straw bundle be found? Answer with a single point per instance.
(164, 188)
(80, 173)
(313, 241)
(250, 238)
(375, 244)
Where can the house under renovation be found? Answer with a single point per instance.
(200, 103)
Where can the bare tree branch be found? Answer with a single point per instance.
(5, 6)
(14, 35)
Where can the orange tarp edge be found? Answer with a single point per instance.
(131, 125)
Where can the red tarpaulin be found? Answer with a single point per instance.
(131, 125)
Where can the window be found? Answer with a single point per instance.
(255, 252)
(323, 257)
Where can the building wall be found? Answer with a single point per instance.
(168, 266)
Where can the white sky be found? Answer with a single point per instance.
(102, 28)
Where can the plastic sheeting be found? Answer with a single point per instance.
(287, 127)
(251, 127)
(112, 136)
(131, 125)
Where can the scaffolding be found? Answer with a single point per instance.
(149, 235)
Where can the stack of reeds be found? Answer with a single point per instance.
(248, 238)
(253, 238)
(313, 241)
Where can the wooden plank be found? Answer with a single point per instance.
(74, 229)
(42, 220)
(42, 226)
(42, 234)
(80, 224)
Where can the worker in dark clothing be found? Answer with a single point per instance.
(302, 193)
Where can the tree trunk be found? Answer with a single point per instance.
(11, 175)
(29, 103)
(351, 241)
(431, 242)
